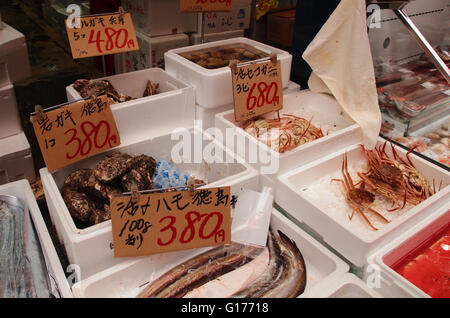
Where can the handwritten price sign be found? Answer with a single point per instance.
(164, 222)
(76, 131)
(257, 89)
(205, 5)
(100, 35)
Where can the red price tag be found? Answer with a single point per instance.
(205, 5)
(76, 131)
(100, 35)
(162, 222)
(257, 89)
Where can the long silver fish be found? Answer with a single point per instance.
(196, 271)
(284, 275)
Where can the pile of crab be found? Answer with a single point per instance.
(392, 178)
(283, 134)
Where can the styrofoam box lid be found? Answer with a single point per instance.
(348, 286)
(180, 37)
(22, 190)
(14, 146)
(195, 37)
(9, 39)
(174, 53)
(404, 244)
(125, 279)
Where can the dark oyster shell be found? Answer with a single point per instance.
(99, 216)
(79, 205)
(112, 167)
(151, 89)
(143, 161)
(138, 176)
(84, 180)
(88, 88)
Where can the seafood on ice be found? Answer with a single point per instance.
(284, 133)
(392, 178)
(238, 271)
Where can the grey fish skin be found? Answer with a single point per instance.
(286, 273)
(292, 281)
(210, 271)
(7, 284)
(194, 264)
(271, 273)
(183, 269)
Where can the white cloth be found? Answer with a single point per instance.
(341, 61)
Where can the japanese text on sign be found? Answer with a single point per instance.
(163, 222)
(205, 5)
(257, 89)
(100, 35)
(75, 131)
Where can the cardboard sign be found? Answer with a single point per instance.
(205, 5)
(257, 89)
(101, 35)
(163, 222)
(75, 131)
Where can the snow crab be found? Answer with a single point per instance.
(395, 178)
(285, 133)
(358, 198)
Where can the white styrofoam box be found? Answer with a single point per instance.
(151, 51)
(207, 115)
(127, 279)
(347, 286)
(143, 117)
(160, 17)
(13, 52)
(213, 87)
(22, 190)
(391, 41)
(238, 18)
(309, 196)
(82, 244)
(325, 113)
(4, 75)
(16, 161)
(196, 38)
(392, 284)
(10, 120)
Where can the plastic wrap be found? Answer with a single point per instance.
(22, 266)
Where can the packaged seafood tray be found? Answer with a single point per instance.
(314, 196)
(130, 278)
(58, 284)
(144, 116)
(213, 86)
(432, 140)
(324, 113)
(207, 115)
(416, 263)
(347, 286)
(91, 247)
